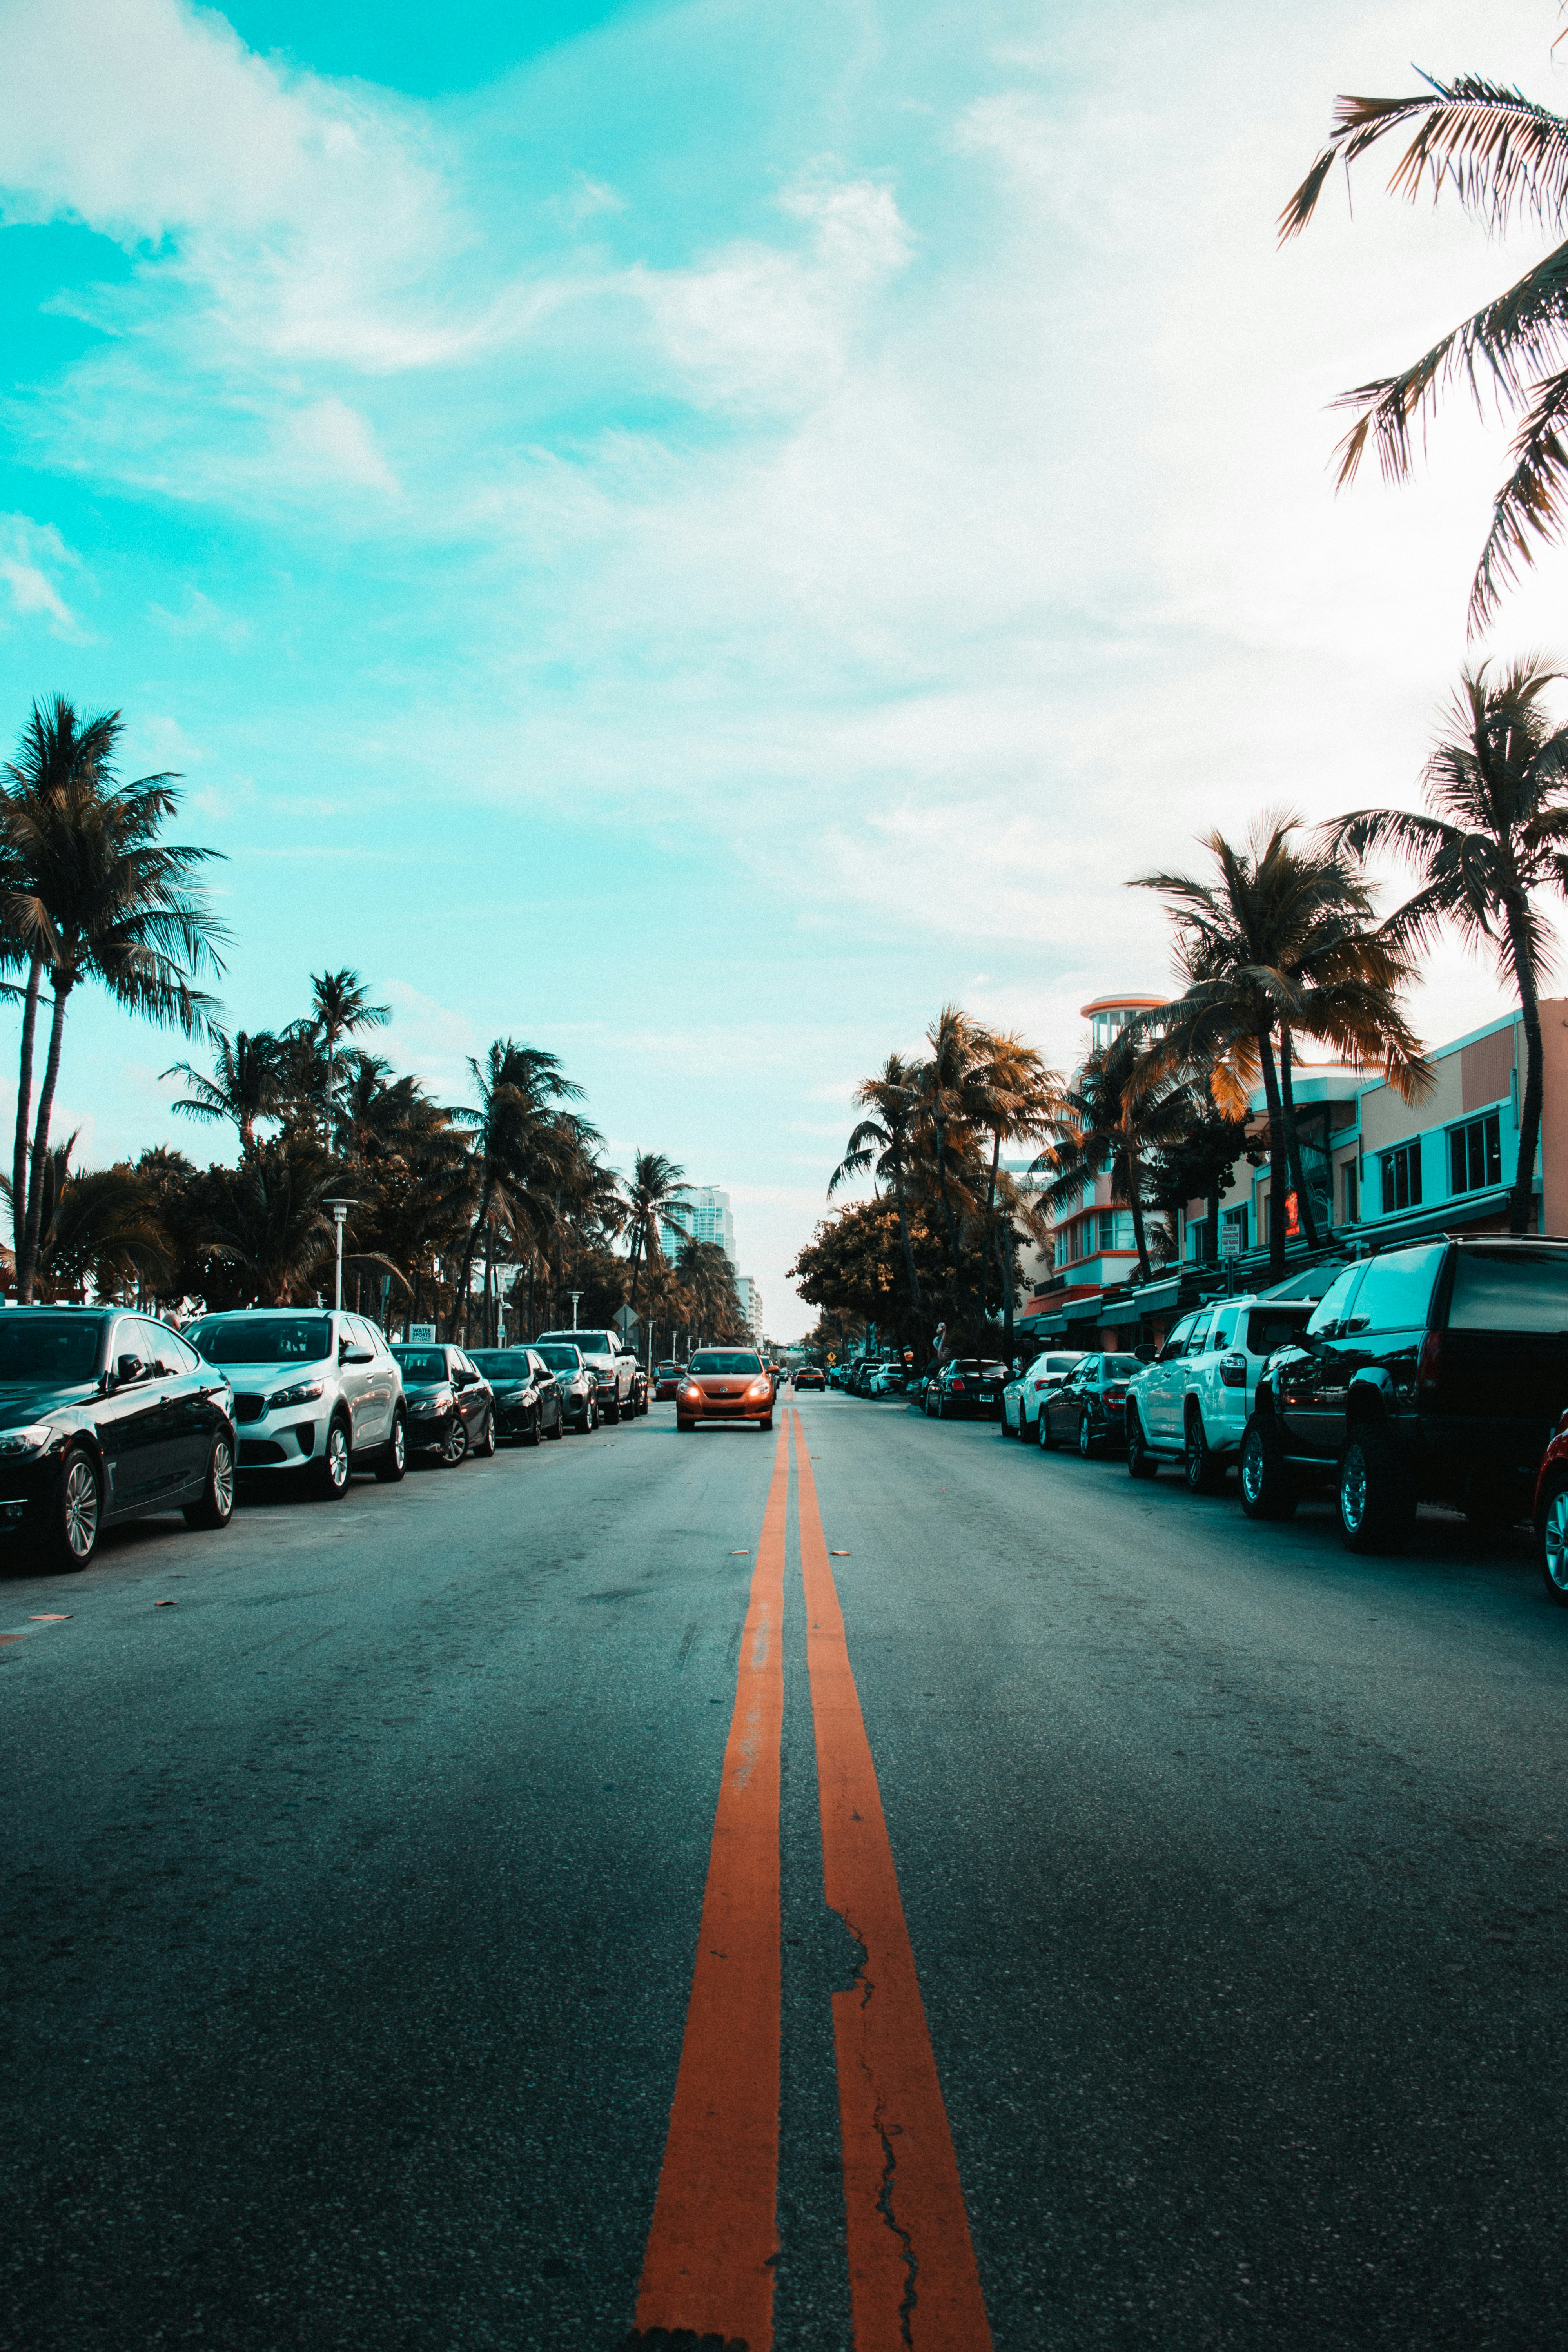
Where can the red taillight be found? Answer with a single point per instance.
(1429, 1371)
(956, 1386)
(1233, 1371)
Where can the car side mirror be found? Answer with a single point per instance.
(127, 1369)
(356, 1356)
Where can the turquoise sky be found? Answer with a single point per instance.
(692, 535)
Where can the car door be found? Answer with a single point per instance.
(374, 1426)
(356, 1382)
(133, 1418)
(191, 1416)
(469, 1387)
(1222, 1387)
(1154, 1398)
(1187, 1378)
(1309, 1384)
(547, 1388)
(1073, 1400)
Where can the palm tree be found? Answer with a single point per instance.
(1112, 1116)
(885, 1142)
(1500, 156)
(513, 1137)
(1015, 1098)
(265, 1216)
(340, 1008)
(105, 900)
(1496, 838)
(244, 1086)
(655, 1184)
(709, 1278)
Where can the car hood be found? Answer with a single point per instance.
(25, 1401)
(427, 1389)
(254, 1377)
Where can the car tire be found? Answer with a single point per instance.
(766, 1421)
(642, 1408)
(591, 1418)
(75, 1518)
(455, 1444)
(1376, 1501)
(1266, 1480)
(1088, 1444)
(216, 1507)
(1141, 1462)
(392, 1466)
(486, 1451)
(558, 1426)
(1204, 1476)
(332, 1472)
(1046, 1438)
(531, 1429)
(682, 1423)
(1553, 1533)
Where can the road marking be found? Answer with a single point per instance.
(714, 2235)
(913, 2284)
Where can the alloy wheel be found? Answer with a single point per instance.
(1554, 1542)
(1252, 1466)
(80, 1509)
(337, 1457)
(1353, 1489)
(223, 1478)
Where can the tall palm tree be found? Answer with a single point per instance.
(512, 1134)
(885, 1144)
(1111, 1118)
(1496, 840)
(654, 1185)
(340, 1008)
(58, 751)
(265, 1216)
(1500, 156)
(107, 900)
(1015, 1099)
(244, 1086)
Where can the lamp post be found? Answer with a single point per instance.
(576, 1295)
(339, 1209)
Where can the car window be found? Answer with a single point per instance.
(1063, 1364)
(1334, 1301)
(1121, 1368)
(1269, 1327)
(1199, 1339)
(421, 1365)
(1176, 1345)
(153, 1343)
(174, 1351)
(252, 1338)
(1510, 1290)
(1397, 1290)
(1087, 1372)
(1224, 1327)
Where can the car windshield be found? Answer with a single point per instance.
(1510, 1290)
(591, 1343)
(711, 1361)
(501, 1363)
(264, 1338)
(1121, 1368)
(422, 1363)
(975, 1364)
(561, 1360)
(35, 1346)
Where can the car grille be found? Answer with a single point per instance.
(254, 1451)
(249, 1408)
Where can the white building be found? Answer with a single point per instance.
(699, 1213)
(751, 1305)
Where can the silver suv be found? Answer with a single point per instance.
(1191, 1404)
(312, 1390)
(612, 1363)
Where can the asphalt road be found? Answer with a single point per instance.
(351, 1904)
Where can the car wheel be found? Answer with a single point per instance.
(591, 1418)
(558, 1426)
(682, 1423)
(1377, 1502)
(1205, 1475)
(217, 1506)
(766, 1421)
(76, 1513)
(394, 1462)
(331, 1472)
(486, 1450)
(642, 1408)
(612, 1413)
(1087, 1440)
(1047, 1439)
(455, 1444)
(530, 1430)
(1266, 1481)
(1554, 1546)
(1141, 1462)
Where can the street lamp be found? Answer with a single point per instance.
(576, 1295)
(339, 1209)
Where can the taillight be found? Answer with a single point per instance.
(1041, 1384)
(1429, 1371)
(1233, 1371)
(956, 1386)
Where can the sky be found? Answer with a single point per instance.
(693, 535)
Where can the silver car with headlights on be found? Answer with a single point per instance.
(315, 1393)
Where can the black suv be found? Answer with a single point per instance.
(1435, 1372)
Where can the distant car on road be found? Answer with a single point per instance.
(1022, 1398)
(810, 1376)
(106, 1416)
(612, 1363)
(579, 1389)
(451, 1409)
(666, 1381)
(725, 1384)
(1193, 1402)
(525, 1393)
(965, 1386)
(1090, 1409)
(314, 1392)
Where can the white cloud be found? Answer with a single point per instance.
(30, 552)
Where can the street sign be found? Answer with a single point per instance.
(422, 1335)
(625, 1322)
(1230, 1240)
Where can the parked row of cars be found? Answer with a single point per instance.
(107, 1415)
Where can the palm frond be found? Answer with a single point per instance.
(1529, 505)
(1499, 150)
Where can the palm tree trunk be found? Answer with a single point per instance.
(29, 1257)
(908, 1246)
(24, 1108)
(460, 1304)
(1304, 1210)
(1278, 1176)
(1135, 1202)
(1521, 1199)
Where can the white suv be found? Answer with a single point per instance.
(1191, 1404)
(311, 1390)
(613, 1364)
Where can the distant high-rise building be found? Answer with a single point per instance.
(699, 1213)
(751, 1306)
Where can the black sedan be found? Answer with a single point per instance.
(528, 1401)
(1090, 1409)
(451, 1412)
(969, 1384)
(579, 1390)
(105, 1416)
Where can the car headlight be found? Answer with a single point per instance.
(26, 1441)
(303, 1392)
(758, 1388)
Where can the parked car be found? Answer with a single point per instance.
(1193, 1402)
(889, 1379)
(1022, 1398)
(725, 1384)
(452, 1408)
(612, 1363)
(666, 1381)
(639, 1391)
(524, 1391)
(1089, 1409)
(1436, 1371)
(839, 1376)
(966, 1385)
(579, 1388)
(810, 1376)
(314, 1392)
(107, 1416)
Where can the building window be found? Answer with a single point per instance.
(1401, 1178)
(1475, 1154)
(1349, 1181)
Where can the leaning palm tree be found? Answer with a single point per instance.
(107, 900)
(1501, 157)
(1495, 841)
(655, 1184)
(884, 1144)
(244, 1086)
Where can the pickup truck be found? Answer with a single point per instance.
(1433, 1371)
(1193, 1402)
(613, 1364)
